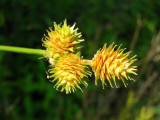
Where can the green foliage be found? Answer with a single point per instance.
(25, 91)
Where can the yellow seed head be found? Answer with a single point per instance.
(112, 64)
(69, 72)
(62, 40)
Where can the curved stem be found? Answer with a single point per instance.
(21, 50)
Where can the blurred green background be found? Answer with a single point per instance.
(27, 94)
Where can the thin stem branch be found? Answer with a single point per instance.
(21, 50)
(137, 32)
(89, 62)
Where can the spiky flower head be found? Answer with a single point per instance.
(110, 64)
(63, 39)
(69, 72)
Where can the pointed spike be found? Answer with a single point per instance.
(126, 54)
(111, 46)
(125, 84)
(114, 47)
(96, 81)
(78, 87)
(105, 45)
(60, 84)
(81, 40)
(132, 60)
(62, 88)
(119, 48)
(56, 84)
(133, 57)
(122, 51)
(110, 83)
(114, 79)
(65, 23)
(73, 26)
(124, 74)
(71, 49)
(55, 25)
(134, 66)
(131, 71)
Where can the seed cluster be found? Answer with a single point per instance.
(69, 70)
(113, 64)
(61, 40)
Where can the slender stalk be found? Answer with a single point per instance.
(21, 50)
(89, 62)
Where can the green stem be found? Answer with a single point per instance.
(21, 50)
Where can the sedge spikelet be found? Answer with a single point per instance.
(62, 40)
(112, 64)
(69, 72)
